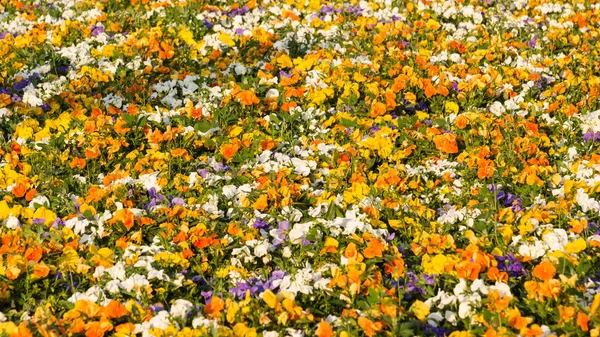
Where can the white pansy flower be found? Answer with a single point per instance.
(229, 191)
(149, 181)
(272, 94)
(535, 250)
(464, 310)
(497, 108)
(40, 200)
(556, 239)
(12, 222)
(502, 288)
(181, 308)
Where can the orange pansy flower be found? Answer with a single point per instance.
(19, 190)
(114, 309)
(261, 203)
(125, 329)
(213, 309)
(98, 329)
(229, 150)
(166, 51)
(446, 143)
(247, 97)
(461, 121)
(430, 91)
(40, 270)
(77, 162)
(374, 249)
(544, 271)
(486, 168)
(368, 326)
(378, 109)
(582, 321)
(324, 330)
(30, 194)
(125, 216)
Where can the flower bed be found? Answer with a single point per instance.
(277, 168)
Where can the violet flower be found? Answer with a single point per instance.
(517, 205)
(306, 242)
(19, 86)
(284, 226)
(455, 86)
(433, 330)
(254, 285)
(155, 198)
(176, 201)
(501, 194)
(260, 224)
(97, 30)
(411, 287)
(221, 167)
(374, 128)
(326, 9)
(509, 264)
(203, 172)
(208, 24)
(429, 279)
(284, 74)
(62, 69)
(422, 106)
(58, 223)
(207, 296)
(591, 136)
(156, 307)
(276, 275)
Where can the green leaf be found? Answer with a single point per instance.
(88, 214)
(363, 305)
(130, 120)
(349, 123)
(583, 267)
(373, 297)
(203, 126)
(405, 330)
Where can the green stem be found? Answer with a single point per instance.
(71, 282)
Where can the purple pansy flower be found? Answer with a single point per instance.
(97, 30)
(260, 224)
(591, 136)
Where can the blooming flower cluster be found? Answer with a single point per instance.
(298, 168)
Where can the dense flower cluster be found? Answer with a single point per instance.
(291, 168)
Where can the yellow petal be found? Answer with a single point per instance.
(575, 246)
(451, 107)
(556, 179)
(4, 210)
(395, 224)
(331, 242)
(225, 38)
(270, 299)
(233, 309)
